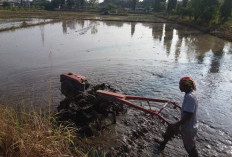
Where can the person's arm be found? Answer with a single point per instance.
(188, 109)
(187, 116)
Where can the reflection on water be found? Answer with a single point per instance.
(42, 33)
(132, 28)
(141, 59)
(114, 23)
(216, 59)
(81, 26)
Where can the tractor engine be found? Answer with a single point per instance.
(72, 84)
(85, 107)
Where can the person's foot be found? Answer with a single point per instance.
(161, 146)
(193, 153)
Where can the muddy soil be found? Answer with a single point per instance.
(114, 129)
(139, 134)
(135, 134)
(89, 111)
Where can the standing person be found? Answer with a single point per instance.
(187, 126)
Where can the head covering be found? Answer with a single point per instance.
(188, 82)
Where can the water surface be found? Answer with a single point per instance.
(18, 22)
(136, 58)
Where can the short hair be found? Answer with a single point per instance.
(188, 82)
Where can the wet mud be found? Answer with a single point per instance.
(89, 111)
(114, 129)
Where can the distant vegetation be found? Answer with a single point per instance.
(198, 11)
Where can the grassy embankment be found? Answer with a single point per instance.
(222, 31)
(67, 15)
(30, 134)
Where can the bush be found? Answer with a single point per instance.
(44, 4)
(210, 14)
(111, 7)
(6, 4)
(225, 10)
(162, 6)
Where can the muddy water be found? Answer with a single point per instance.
(140, 59)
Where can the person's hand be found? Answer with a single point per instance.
(174, 127)
(171, 131)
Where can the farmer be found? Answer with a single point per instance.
(187, 126)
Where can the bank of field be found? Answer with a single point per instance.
(30, 134)
(223, 31)
(56, 16)
(65, 15)
(6, 14)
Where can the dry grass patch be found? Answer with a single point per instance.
(33, 135)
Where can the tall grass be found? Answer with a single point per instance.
(33, 135)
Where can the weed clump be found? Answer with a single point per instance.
(33, 135)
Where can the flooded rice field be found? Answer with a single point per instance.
(20, 22)
(136, 58)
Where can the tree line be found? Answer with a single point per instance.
(208, 11)
(201, 11)
(64, 4)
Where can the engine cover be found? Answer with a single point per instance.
(72, 84)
